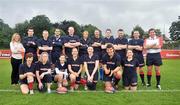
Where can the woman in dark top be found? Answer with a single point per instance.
(27, 74)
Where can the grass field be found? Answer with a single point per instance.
(169, 95)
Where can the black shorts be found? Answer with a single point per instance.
(108, 78)
(129, 81)
(140, 59)
(153, 59)
(23, 81)
(47, 78)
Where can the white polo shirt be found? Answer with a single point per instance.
(151, 41)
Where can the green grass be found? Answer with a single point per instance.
(170, 81)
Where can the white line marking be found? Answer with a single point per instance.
(100, 91)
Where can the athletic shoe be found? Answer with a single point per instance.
(159, 87)
(31, 92)
(85, 88)
(143, 84)
(148, 85)
(71, 89)
(49, 90)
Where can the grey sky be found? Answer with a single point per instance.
(104, 14)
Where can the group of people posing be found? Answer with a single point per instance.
(71, 61)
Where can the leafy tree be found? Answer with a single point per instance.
(174, 30)
(40, 23)
(90, 28)
(141, 31)
(21, 28)
(5, 34)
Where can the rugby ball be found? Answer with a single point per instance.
(109, 89)
(61, 90)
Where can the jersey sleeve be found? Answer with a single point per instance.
(118, 60)
(39, 43)
(37, 67)
(142, 42)
(137, 63)
(77, 38)
(125, 41)
(104, 59)
(96, 57)
(130, 42)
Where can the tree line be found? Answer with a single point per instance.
(42, 22)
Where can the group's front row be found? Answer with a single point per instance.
(79, 70)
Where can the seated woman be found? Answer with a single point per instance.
(75, 67)
(130, 67)
(91, 63)
(61, 71)
(43, 73)
(27, 74)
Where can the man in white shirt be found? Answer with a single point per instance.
(153, 46)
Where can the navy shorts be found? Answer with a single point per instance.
(140, 59)
(47, 78)
(129, 81)
(153, 59)
(23, 81)
(108, 78)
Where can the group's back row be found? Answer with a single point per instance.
(56, 45)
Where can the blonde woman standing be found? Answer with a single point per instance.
(17, 49)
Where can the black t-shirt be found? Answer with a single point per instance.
(97, 49)
(106, 41)
(28, 44)
(113, 62)
(42, 67)
(57, 44)
(70, 39)
(84, 46)
(42, 43)
(122, 41)
(61, 67)
(135, 42)
(75, 64)
(130, 67)
(24, 68)
(91, 62)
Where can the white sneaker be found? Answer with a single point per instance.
(49, 90)
(71, 89)
(85, 88)
(31, 92)
(159, 87)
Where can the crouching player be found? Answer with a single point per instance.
(43, 73)
(61, 71)
(74, 67)
(27, 74)
(130, 68)
(112, 69)
(91, 63)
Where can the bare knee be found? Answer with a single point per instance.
(72, 77)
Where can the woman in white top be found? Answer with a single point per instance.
(17, 49)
